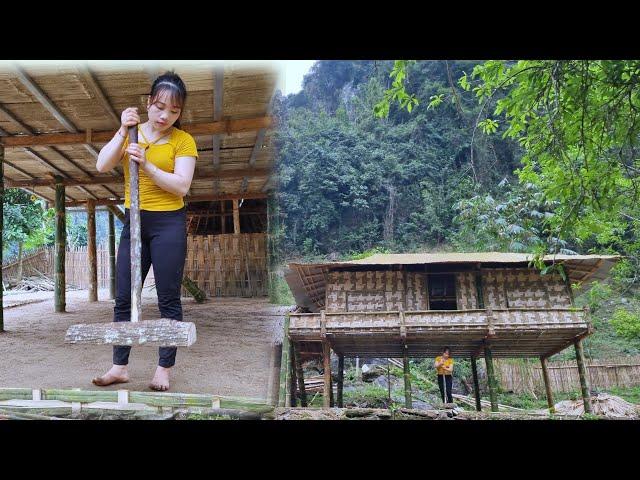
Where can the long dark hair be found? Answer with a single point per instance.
(172, 83)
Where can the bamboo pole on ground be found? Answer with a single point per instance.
(61, 245)
(476, 383)
(491, 377)
(328, 388)
(92, 251)
(340, 380)
(112, 256)
(300, 376)
(547, 384)
(582, 373)
(408, 403)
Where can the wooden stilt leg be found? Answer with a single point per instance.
(328, 389)
(407, 381)
(547, 384)
(61, 246)
(493, 394)
(476, 383)
(340, 379)
(584, 381)
(92, 251)
(292, 376)
(300, 376)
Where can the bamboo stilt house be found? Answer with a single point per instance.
(386, 304)
(55, 120)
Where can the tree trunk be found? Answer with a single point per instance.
(20, 245)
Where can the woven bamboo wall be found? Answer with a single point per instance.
(523, 376)
(523, 288)
(375, 291)
(228, 265)
(390, 290)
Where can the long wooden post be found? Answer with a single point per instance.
(300, 375)
(328, 388)
(582, 373)
(408, 402)
(134, 226)
(476, 383)
(340, 380)
(1, 226)
(491, 377)
(112, 256)
(61, 246)
(92, 250)
(236, 217)
(547, 384)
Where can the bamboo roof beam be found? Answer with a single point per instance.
(110, 180)
(87, 77)
(226, 126)
(189, 199)
(46, 102)
(218, 99)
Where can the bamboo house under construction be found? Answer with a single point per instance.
(54, 121)
(486, 305)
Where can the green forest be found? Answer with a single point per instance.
(512, 156)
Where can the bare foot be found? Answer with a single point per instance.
(160, 382)
(117, 374)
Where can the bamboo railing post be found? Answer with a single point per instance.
(340, 380)
(1, 227)
(476, 383)
(328, 388)
(61, 246)
(547, 384)
(300, 375)
(582, 373)
(407, 379)
(491, 377)
(112, 256)
(92, 251)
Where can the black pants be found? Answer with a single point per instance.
(164, 245)
(448, 380)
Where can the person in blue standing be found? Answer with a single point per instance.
(166, 156)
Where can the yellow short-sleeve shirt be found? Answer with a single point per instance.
(152, 197)
(447, 363)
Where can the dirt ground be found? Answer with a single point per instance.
(235, 353)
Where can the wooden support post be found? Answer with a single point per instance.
(340, 380)
(407, 380)
(112, 256)
(584, 381)
(1, 226)
(479, 290)
(292, 376)
(284, 393)
(236, 217)
(476, 383)
(61, 246)
(299, 375)
(547, 384)
(92, 251)
(328, 388)
(491, 377)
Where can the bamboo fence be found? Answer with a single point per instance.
(526, 375)
(221, 265)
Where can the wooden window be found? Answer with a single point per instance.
(442, 292)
